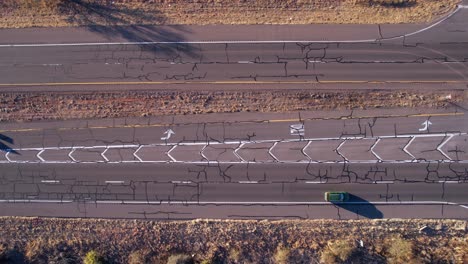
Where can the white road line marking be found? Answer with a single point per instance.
(50, 181)
(135, 153)
(70, 154)
(463, 6)
(338, 150)
(372, 149)
(169, 153)
(39, 155)
(237, 149)
(202, 154)
(6, 156)
(182, 182)
(271, 153)
(448, 182)
(439, 148)
(384, 182)
(405, 149)
(244, 62)
(115, 182)
(104, 156)
(248, 182)
(315, 182)
(303, 150)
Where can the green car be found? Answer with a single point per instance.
(336, 197)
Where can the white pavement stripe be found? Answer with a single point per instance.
(115, 182)
(315, 182)
(271, 153)
(448, 181)
(203, 154)
(303, 150)
(439, 148)
(130, 202)
(39, 155)
(104, 156)
(384, 182)
(248, 182)
(169, 153)
(6, 156)
(182, 182)
(405, 149)
(372, 149)
(338, 150)
(50, 181)
(70, 155)
(135, 153)
(237, 154)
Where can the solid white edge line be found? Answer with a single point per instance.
(314, 182)
(234, 41)
(234, 202)
(384, 182)
(407, 145)
(248, 182)
(448, 182)
(439, 148)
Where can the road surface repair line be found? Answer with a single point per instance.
(73, 160)
(459, 7)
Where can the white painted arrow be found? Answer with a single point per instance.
(426, 125)
(168, 134)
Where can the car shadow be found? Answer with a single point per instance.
(361, 207)
(4, 147)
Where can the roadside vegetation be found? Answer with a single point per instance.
(93, 241)
(62, 13)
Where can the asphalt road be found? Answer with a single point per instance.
(405, 165)
(431, 54)
(231, 169)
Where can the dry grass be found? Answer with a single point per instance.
(212, 239)
(282, 255)
(60, 13)
(337, 251)
(400, 251)
(38, 106)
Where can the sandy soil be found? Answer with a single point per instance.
(18, 106)
(60, 13)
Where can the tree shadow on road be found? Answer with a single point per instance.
(4, 147)
(117, 22)
(361, 207)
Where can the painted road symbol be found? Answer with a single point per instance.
(168, 134)
(426, 125)
(297, 129)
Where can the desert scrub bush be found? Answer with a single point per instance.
(180, 259)
(337, 251)
(93, 257)
(138, 257)
(235, 255)
(282, 255)
(399, 250)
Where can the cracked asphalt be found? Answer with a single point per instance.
(231, 169)
(407, 166)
